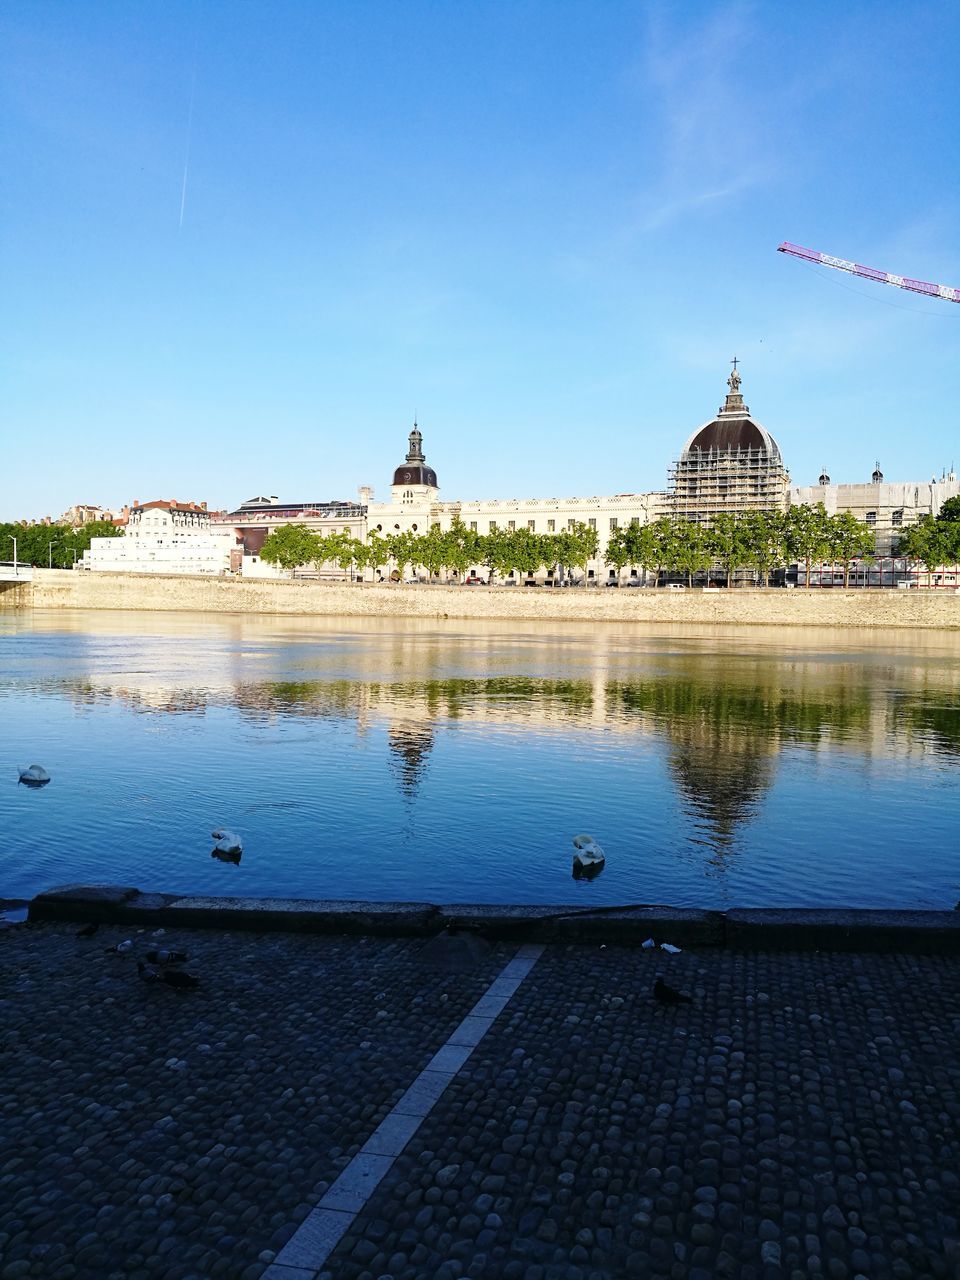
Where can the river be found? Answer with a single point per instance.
(454, 761)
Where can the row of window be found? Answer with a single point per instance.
(552, 524)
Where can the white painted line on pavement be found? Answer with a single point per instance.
(305, 1253)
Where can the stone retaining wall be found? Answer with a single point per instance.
(63, 589)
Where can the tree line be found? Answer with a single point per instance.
(760, 541)
(454, 550)
(56, 546)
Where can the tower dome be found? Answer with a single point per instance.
(414, 471)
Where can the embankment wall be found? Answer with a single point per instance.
(62, 589)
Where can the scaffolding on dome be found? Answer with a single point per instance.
(704, 482)
(729, 475)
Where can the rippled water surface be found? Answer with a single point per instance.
(453, 761)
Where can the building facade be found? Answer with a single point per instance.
(166, 537)
(415, 505)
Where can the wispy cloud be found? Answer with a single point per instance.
(713, 143)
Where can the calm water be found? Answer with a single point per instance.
(454, 761)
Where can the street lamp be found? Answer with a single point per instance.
(14, 541)
(49, 555)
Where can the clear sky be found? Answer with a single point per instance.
(242, 243)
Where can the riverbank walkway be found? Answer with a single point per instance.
(356, 1108)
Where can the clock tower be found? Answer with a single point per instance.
(414, 482)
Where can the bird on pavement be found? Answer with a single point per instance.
(664, 994)
(163, 956)
(179, 979)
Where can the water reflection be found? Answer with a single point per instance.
(410, 744)
(733, 753)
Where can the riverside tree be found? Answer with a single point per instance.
(292, 546)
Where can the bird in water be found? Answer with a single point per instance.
(35, 775)
(664, 994)
(179, 979)
(87, 931)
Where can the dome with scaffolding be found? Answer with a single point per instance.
(731, 463)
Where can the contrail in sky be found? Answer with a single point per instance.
(186, 161)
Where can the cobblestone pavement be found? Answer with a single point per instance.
(800, 1118)
(148, 1133)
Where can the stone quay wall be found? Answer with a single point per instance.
(65, 589)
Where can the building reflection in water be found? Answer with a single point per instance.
(410, 744)
(723, 714)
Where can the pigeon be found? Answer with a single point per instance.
(121, 948)
(179, 979)
(163, 956)
(664, 994)
(87, 931)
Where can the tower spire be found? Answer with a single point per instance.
(415, 452)
(734, 401)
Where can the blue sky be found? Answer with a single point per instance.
(243, 243)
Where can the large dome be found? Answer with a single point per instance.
(725, 435)
(732, 429)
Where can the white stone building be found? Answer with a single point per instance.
(415, 505)
(166, 537)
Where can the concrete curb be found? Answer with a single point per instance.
(741, 929)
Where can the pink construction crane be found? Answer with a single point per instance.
(884, 277)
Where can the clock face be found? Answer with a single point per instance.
(407, 477)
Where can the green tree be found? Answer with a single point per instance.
(619, 551)
(949, 512)
(564, 550)
(727, 543)
(528, 552)
(432, 550)
(848, 538)
(930, 542)
(402, 548)
(763, 541)
(806, 534)
(585, 544)
(377, 553)
(292, 546)
(343, 550)
(498, 552)
(691, 549)
(649, 544)
(462, 547)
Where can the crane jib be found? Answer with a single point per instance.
(870, 273)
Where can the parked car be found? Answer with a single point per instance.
(474, 580)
